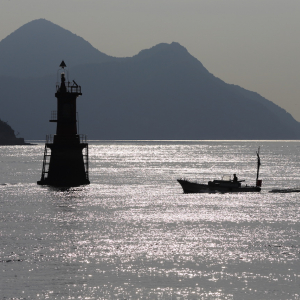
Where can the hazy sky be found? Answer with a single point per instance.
(251, 43)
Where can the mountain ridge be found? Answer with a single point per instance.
(51, 44)
(160, 93)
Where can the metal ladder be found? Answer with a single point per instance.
(86, 161)
(46, 162)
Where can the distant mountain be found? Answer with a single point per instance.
(165, 93)
(36, 47)
(160, 93)
(8, 137)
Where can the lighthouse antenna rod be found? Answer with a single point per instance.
(258, 163)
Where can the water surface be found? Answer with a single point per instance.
(133, 234)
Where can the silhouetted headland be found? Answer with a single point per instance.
(8, 136)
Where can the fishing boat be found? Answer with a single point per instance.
(225, 185)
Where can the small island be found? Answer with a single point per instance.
(8, 136)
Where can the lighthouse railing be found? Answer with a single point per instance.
(53, 117)
(70, 88)
(82, 138)
(49, 139)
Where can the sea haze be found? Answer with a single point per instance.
(133, 234)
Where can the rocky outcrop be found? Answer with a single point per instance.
(8, 137)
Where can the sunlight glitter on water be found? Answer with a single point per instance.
(132, 234)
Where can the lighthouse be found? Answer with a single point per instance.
(65, 160)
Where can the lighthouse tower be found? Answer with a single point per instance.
(66, 153)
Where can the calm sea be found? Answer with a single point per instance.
(133, 234)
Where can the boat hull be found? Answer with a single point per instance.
(194, 187)
(285, 191)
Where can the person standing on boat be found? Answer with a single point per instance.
(235, 179)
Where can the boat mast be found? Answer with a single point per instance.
(258, 163)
